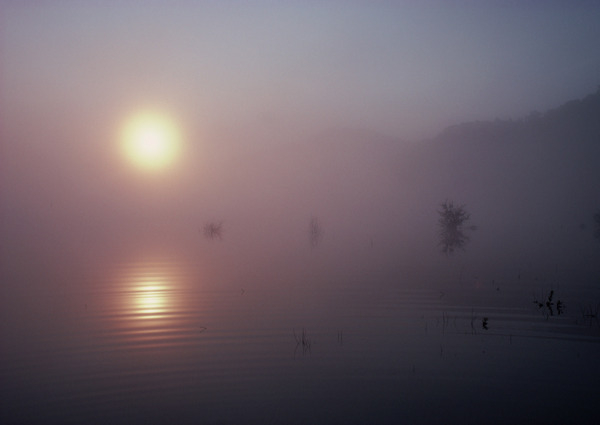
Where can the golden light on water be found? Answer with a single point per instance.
(150, 298)
(151, 140)
(149, 291)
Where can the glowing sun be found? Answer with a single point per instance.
(151, 140)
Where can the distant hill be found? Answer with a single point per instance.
(554, 154)
(577, 118)
(531, 184)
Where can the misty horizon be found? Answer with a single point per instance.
(299, 212)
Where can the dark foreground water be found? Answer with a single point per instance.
(124, 335)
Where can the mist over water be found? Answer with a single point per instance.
(305, 282)
(358, 219)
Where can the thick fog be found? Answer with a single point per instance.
(530, 186)
(350, 116)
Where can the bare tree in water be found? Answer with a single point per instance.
(213, 230)
(315, 232)
(451, 227)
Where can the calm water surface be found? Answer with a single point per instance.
(159, 336)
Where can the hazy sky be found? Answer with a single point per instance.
(243, 79)
(403, 68)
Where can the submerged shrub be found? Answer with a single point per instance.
(213, 230)
(451, 227)
(315, 232)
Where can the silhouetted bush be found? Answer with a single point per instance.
(451, 223)
(213, 230)
(315, 232)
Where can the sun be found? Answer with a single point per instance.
(151, 140)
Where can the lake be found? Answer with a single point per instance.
(130, 330)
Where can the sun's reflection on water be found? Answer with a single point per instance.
(150, 300)
(154, 304)
(149, 313)
(150, 293)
